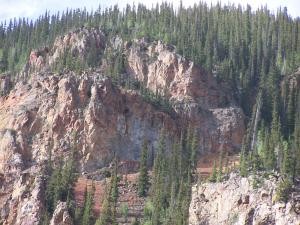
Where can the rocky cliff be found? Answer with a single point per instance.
(47, 116)
(193, 93)
(243, 201)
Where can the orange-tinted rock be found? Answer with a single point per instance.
(56, 114)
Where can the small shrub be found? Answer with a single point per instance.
(124, 211)
(256, 182)
(233, 218)
(283, 190)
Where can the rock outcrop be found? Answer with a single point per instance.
(21, 199)
(55, 112)
(78, 44)
(163, 71)
(237, 201)
(192, 92)
(61, 215)
(5, 84)
(51, 115)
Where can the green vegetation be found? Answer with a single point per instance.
(143, 182)
(87, 216)
(250, 51)
(169, 197)
(276, 149)
(124, 211)
(109, 204)
(243, 48)
(283, 191)
(59, 187)
(213, 176)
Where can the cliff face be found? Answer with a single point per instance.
(54, 115)
(162, 70)
(192, 92)
(50, 115)
(237, 201)
(78, 43)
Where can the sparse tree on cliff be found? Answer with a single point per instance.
(213, 176)
(87, 216)
(143, 181)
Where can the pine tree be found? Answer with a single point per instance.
(87, 216)
(143, 181)
(213, 176)
(105, 215)
(220, 171)
(193, 149)
(114, 191)
(158, 188)
(274, 138)
(243, 164)
(287, 164)
(296, 142)
(53, 189)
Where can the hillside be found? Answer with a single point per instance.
(51, 115)
(155, 116)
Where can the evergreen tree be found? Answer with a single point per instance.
(220, 171)
(296, 142)
(143, 181)
(105, 215)
(87, 216)
(114, 192)
(213, 176)
(243, 164)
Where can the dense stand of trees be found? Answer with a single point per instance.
(251, 51)
(59, 187)
(108, 214)
(143, 181)
(272, 142)
(239, 46)
(169, 196)
(275, 147)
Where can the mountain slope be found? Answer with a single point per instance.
(48, 116)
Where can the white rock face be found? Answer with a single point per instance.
(236, 201)
(61, 215)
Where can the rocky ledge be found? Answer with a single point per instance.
(243, 201)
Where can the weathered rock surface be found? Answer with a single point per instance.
(21, 199)
(236, 201)
(5, 84)
(192, 92)
(61, 215)
(55, 114)
(52, 114)
(163, 71)
(78, 43)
